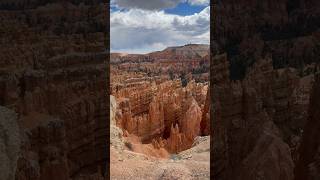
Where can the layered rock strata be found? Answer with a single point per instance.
(307, 167)
(262, 79)
(10, 141)
(53, 75)
(248, 30)
(142, 161)
(161, 98)
(256, 118)
(170, 116)
(190, 59)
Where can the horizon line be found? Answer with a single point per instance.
(122, 52)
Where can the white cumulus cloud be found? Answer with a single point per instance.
(146, 4)
(142, 31)
(199, 2)
(154, 4)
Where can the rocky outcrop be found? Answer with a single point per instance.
(182, 135)
(189, 61)
(249, 30)
(53, 76)
(256, 118)
(269, 159)
(10, 141)
(172, 119)
(307, 167)
(115, 132)
(189, 51)
(45, 150)
(156, 116)
(205, 119)
(190, 124)
(158, 105)
(262, 78)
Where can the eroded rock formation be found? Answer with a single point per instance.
(132, 159)
(190, 60)
(172, 116)
(256, 122)
(53, 75)
(159, 106)
(247, 30)
(10, 140)
(205, 120)
(267, 55)
(308, 164)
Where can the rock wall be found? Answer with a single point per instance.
(307, 166)
(266, 55)
(205, 119)
(10, 140)
(161, 113)
(53, 75)
(165, 65)
(253, 120)
(286, 30)
(116, 133)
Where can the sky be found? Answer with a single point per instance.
(143, 26)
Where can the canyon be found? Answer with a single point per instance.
(264, 79)
(259, 121)
(160, 113)
(53, 97)
(262, 99)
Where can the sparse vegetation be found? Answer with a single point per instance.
(171, 75)
(128, 145)
(184, 80)
(175, 157)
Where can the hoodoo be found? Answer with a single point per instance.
(157, 108)
(161, 107)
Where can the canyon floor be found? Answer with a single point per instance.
(193, 163)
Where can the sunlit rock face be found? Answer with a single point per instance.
(163, 111)
(205, 119)
(172, 116)
(162, 96)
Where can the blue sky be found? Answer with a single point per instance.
(184, 9)
(143, 26)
